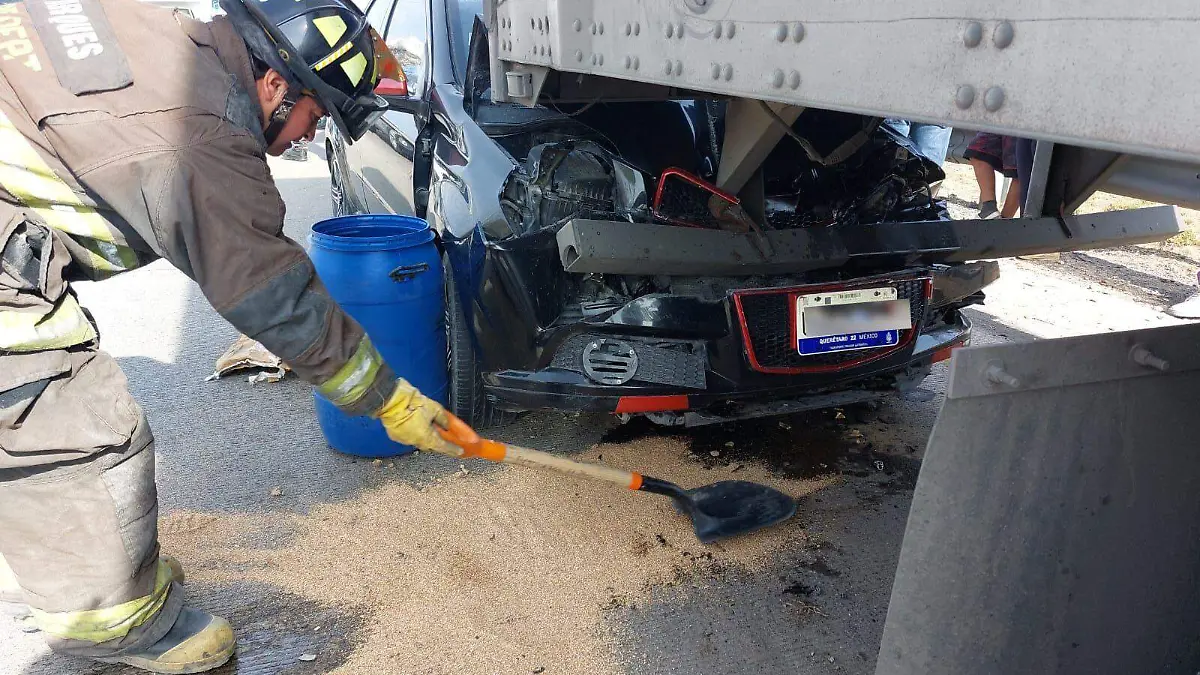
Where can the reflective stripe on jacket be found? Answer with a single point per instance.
(150, 145)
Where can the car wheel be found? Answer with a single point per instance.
(468, 401)
(337, 185)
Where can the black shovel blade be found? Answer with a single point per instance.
(734, 507)
(728, 508)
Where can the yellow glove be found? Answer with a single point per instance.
(412, 419)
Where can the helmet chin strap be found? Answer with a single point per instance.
(279, 117)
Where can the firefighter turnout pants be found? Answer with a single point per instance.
(78, 505)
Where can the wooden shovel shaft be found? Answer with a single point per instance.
(537, 459)
(467, 443)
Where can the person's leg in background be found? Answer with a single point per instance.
(985, 177)
(933, 140)
(986, 156)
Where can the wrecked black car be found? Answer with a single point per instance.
(592, 264)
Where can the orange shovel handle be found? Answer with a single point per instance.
(461, 434)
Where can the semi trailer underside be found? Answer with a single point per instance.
(1060, 472)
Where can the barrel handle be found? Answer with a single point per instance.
(406, 272)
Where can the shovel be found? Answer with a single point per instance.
(723, 509)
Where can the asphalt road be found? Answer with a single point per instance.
(817, 608)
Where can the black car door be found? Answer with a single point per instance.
(384, 156)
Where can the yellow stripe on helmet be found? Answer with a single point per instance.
(354, 67)
(333, 56)
(331, 27)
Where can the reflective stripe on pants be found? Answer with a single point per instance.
(64, 325)
(107, 623)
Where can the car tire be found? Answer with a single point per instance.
(339, 205)
(467, 399)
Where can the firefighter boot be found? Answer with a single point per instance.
(197, 642)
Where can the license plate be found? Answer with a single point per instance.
(848, 342)
(847, 320)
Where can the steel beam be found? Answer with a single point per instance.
(1025, 68)
(750, 135)
(1055, 527)
(1035, 192)
(618, 247)
(1156, 181)
(1075, 174)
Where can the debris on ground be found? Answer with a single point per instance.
(734, 467)
(498, 537)
(715, 453)
(377, 462)
(267, 376)
(277, 491)
(308, 657)
(248, 354)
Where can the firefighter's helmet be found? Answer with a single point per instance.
(325, 49)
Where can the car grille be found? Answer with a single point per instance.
(767, 321)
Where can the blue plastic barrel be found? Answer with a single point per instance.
(385, 271)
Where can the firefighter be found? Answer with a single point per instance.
(129, 133)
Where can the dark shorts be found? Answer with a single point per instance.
(998, 151)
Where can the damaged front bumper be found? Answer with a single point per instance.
(687, 360)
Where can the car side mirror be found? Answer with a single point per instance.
(396, 93)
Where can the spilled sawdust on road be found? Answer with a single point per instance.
(503, 572)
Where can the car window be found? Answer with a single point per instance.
(377, 13)
(460, 14)
(407, 37)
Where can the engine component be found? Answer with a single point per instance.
(568, 179)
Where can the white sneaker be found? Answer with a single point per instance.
(1188, 309)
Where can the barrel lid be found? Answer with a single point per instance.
(371, 232)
